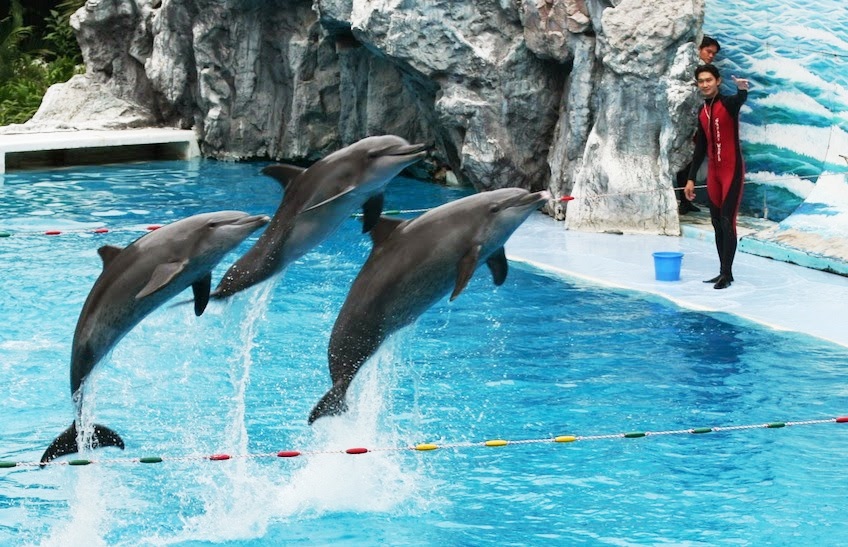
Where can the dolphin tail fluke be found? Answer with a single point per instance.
(331, 404)
(66, 443)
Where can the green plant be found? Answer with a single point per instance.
(60, 36)
(12, 33)
(26, 75)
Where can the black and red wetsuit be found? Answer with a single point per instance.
(717, 138)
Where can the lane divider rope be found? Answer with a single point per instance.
(103, 230)
(422, 447)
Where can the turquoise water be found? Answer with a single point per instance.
(538, 357)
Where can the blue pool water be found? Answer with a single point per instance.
(540, 356)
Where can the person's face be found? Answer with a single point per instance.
(707, 54)
(708, 84)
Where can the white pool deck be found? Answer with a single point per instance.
(11, 143)
(776, 294)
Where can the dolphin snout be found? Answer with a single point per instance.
(536, 198)
(254, 219)
(417, 151)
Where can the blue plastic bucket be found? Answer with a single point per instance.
(667, 265)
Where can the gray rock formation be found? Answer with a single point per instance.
(643, 121)
(590, 97)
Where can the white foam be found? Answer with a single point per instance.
(824, 144)
(792, 70)
(811, 36)
(793, 100)
(375, 482)
(799, 186)
(96, 494)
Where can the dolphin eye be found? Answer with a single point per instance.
(496, 208)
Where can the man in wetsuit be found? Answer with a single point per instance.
(717, 138)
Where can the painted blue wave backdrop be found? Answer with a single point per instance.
(795, 123)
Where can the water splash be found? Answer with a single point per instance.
(376, 482)
(235, 495)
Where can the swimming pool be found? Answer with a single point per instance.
(539, 357)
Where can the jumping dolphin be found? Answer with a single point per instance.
(413, 264)
(317, 200)
(135, 281)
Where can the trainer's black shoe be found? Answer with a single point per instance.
(723, 282)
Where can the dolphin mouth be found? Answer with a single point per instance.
(259, 220)
(544, 195)
(415, 151)
(534, 198)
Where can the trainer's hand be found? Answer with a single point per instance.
(741, 83)
(689, 190)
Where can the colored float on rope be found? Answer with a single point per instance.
(566, 198)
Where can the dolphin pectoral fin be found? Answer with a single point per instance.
(331, 404)
(108, 253)
(201, 289)
(467, 265)
(326, 201)
(162, 275)
(283, 173)
(498, 265)
(371, 211)
(66, 443)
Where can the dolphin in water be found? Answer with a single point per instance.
(316, 202)
(135, 281)
(414, 263)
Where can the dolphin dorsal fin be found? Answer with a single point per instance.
(383, 228)
(465, 269)
(498, 265)
(283, 173)
(162, 275)
(108, 253)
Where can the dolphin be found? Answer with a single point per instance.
(135, 281)
(414, 263)
(317, 200)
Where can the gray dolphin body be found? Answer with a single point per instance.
(316, 202)
(412, 265)
(135, 281)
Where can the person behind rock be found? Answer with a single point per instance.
(717, 139)
(707, 51)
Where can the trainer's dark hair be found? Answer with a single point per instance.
(710, 41)
(707, 68)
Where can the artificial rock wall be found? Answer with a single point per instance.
(590, 98)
